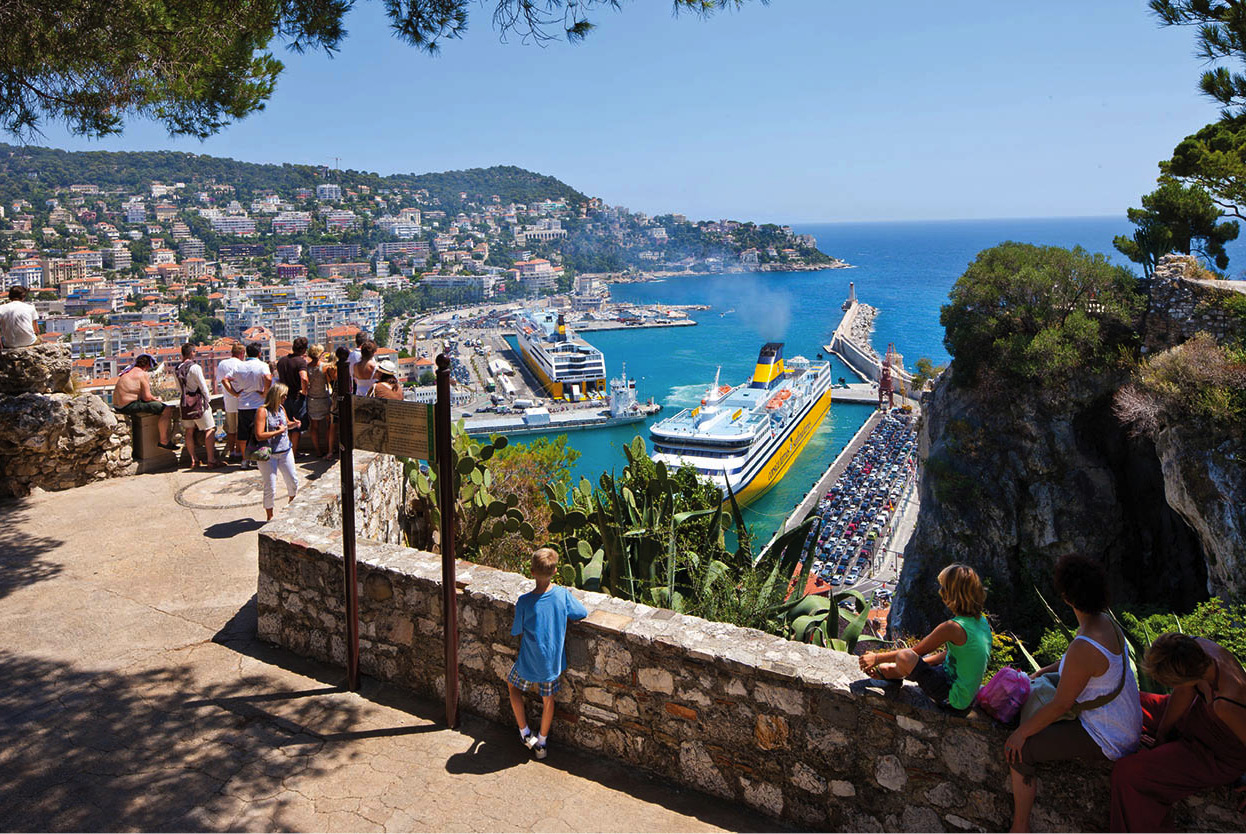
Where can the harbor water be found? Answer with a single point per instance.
(903, 269)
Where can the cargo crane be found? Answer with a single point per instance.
(885, 384)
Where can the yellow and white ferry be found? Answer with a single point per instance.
(751, 434)
(567, 366)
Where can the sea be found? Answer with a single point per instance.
(904, 269)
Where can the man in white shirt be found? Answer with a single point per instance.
(17, 320)
(355, 356)
(226, 366)
(249, 382)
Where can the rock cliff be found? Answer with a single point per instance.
(1013, 479)
(49, 438)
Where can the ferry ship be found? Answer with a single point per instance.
(568, 367)
(749, 435)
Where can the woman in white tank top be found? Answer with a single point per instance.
(364, 372)
(1089, 669)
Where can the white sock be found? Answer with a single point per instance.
(540, 739)
(525, 732)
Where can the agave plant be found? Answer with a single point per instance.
(480, 514)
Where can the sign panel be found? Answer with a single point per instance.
(394, 427)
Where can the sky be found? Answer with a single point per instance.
(796, 111)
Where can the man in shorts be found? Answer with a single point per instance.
(132, 396)
(226, 366)
(249, 382)
(190, 380)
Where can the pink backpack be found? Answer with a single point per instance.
(1005, 694)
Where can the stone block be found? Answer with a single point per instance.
(680, 711)
(889, 773)
(656, 680)
(967, 754)
(771, 732)
(791, 701)
(763, 796)
(806, 778)
(697, 768)
(842, 788)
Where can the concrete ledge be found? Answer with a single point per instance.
(787, 728)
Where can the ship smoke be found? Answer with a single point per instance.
(763, 310)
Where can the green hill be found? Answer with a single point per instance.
(27, 171)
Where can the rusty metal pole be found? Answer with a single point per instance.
(346, 446)
(446, 501)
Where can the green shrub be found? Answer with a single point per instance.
(1039, 313)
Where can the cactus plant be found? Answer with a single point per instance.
(481, 514)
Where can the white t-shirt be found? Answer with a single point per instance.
(353, 360)
(223, 370)
(17, 324)
(249, 380)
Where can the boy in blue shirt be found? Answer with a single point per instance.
(541, 616)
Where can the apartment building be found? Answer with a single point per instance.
(329, 192)
(337, 220)
(191, 247)
(307, 309)
(288, 253)
(56, 270)
(334, 252)
(291, 222)
(290, 272)
(347, 270)
(135, 212)
(537, 274)
(237, 225)
(399, 227)
(112, 339)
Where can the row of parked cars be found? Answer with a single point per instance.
(856, 509)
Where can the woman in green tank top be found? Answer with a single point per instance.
(948, 663)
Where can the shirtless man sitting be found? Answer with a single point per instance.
(132, 395)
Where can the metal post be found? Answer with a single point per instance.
(346, 441)
(446, 501)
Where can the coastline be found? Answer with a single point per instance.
(647, 276)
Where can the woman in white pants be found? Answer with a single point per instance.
(272, 429)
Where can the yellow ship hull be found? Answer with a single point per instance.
(784, 456)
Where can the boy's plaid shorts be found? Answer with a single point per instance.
(543, 688)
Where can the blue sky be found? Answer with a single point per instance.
(802, 110)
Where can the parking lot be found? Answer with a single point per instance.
(856, 513)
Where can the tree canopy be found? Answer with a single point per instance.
(1177, 218)
(1039, 312)
(197, 66)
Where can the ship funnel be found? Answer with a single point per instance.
(562, 328)
(769, 369)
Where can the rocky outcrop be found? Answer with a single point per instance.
(1205, 482)
(53, 440)
(1012, 479)
(39, 369)
(1012, 482)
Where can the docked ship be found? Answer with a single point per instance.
(567, 366)
(749, 435)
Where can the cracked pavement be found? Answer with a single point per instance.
(136, 696)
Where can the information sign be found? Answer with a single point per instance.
(394, 427)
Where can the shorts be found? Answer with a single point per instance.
(204, 422)
(139, 407)
(1058, 742)
(543, 688)
(231, 422)
(934, 682)
(296, 409)
(246, 424)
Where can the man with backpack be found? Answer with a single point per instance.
(196, 408)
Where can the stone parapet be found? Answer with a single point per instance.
(1182, 302)
(787, 728)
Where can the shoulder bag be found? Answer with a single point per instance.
(194, 403)
(1043, 689)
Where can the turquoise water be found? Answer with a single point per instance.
(904, 269)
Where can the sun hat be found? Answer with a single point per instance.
(387, 366)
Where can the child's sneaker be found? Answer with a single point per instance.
(539, 749)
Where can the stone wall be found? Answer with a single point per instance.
(1183, 303)
(51, 439)
(787, 728)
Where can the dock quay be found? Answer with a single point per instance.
(851, 343)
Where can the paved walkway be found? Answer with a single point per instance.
(136, 697)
